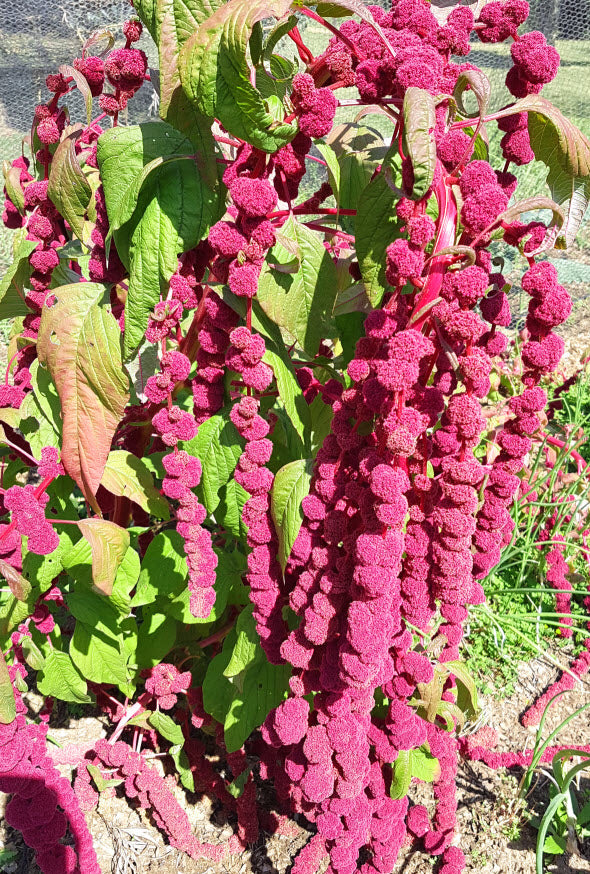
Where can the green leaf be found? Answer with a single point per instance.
(290, 393)
(246, 646)
(78, 562)
(290, 486)
(218, 446)
(35, 427)
(166, 726)
(80, 342)
(476, 83)
(68, 187)
(277, 82)
(424, 766)
(215, 74)
(183, 766)
(109, 543)
(554, 845)
(358, 151)
(237, 786)
(83, 87)
(242, 703)
(467, 699)
(99, 781)
(163, 569)
(228, 514)
(171, 23)
(7, 703)
(14, 188)
(60, 678)
(127, 476)
(172, 212)
(402, 775)
(14, 280)
(420, 145)
(33, 655)
(321, 421)
(155, 639)
(98, 655)
(301, 303)
(170, 730)
(376, 227)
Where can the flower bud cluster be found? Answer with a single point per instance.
(43, 806)
(183, 474)
(144, 783)
(264, 571)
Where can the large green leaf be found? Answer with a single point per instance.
(80, 342)
(163, 570)
(376, 227)
(242, 700)
(215, 73)
(301, 303)
(565, 150)
(59, 678)
(171, 23)
(127, 476)
(228, 514)
(99, 656)
(218, 446)
(158, 207)
(290, 486)
(15, 279)
(68, 187)
(419, 124)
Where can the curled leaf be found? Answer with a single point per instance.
(479, 84)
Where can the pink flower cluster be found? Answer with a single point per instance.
(264, 572)
(125, 69)
(165, 683)
(28, 516)
(98, 268)
(43, 805)
(183, 473)
(240, 246)
(145, 784)
(213, 342)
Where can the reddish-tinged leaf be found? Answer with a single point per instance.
(18, 585)
(420, 121)
(80, 342)
(7, 705)
(109, 543)
(83, 87)
(479, 85)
